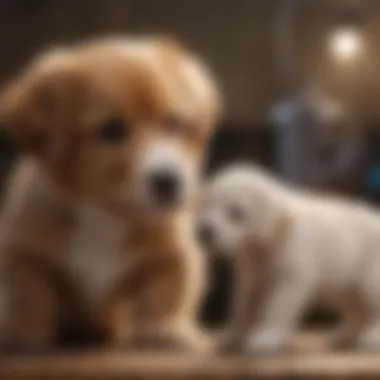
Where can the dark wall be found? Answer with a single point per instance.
(242, 143)
(236, 37)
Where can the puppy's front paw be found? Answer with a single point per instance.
(369, 340)
(341, 341)
(183, 340)
(265, 343)
(200, 341)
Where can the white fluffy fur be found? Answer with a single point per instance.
(95, 259)
(327, 250)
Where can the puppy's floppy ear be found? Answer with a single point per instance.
(28, 104)
(202, 79)
(170, 46)
(19, 110)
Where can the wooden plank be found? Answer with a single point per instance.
(118, 366)
(305, 364)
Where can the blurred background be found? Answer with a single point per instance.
(301, 80)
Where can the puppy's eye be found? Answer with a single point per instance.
(112, 130)
(236, 214)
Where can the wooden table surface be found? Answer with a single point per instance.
(310, 361)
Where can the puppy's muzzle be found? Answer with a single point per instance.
(165, 187)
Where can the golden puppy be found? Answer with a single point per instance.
(96, 228)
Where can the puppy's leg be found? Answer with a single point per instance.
(121, 321)
(168, 303)
(249, 290)
(31, 309)
(369, 338)
(281, 313)
(241, 317)
(355, 316)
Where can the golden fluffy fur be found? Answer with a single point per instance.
(83, 239)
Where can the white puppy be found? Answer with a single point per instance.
(291, 249)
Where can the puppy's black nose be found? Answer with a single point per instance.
(165, 186)
(206, 234)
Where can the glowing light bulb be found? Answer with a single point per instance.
(346, 43)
